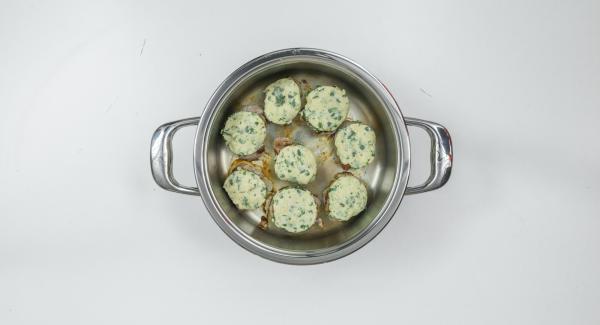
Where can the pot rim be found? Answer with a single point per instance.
(365, 235)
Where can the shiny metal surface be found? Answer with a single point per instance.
(161, 156)
(386, 176)
(441, 155)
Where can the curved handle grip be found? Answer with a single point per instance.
(441, 155)
(161, 156)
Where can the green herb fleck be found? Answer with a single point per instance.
(279, 96)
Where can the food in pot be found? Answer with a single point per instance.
(246, 186)
(280, 143)
(293, 209)
(244, 133)
(282, 101)
(326, 108)
(345, 197)
(355, 145)
(296, 163)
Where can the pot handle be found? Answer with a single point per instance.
(441, 155)
(161, 156)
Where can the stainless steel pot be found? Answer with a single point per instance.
(386, 177)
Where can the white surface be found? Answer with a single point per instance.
(87, 238)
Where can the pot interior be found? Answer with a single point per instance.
(365, 106)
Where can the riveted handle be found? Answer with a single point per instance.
(161, 156)
(441, 155)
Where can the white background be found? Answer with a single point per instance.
(86, 237)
